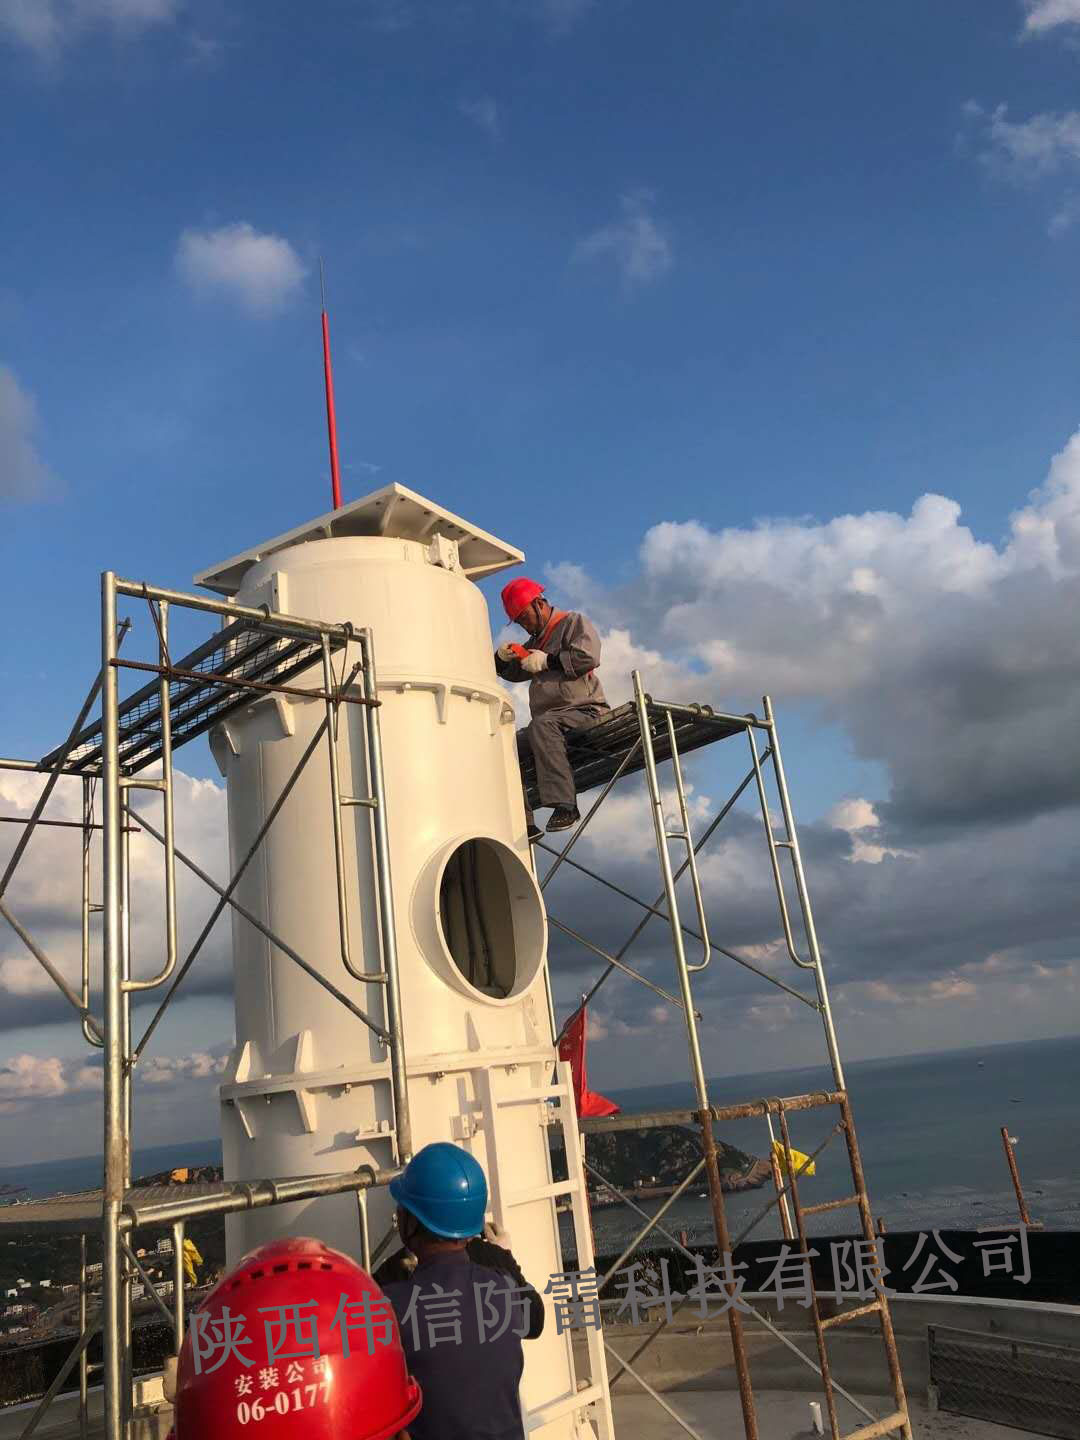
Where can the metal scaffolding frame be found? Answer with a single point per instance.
(638, 737)
(256, 652)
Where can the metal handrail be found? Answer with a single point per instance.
(691, 855)
(254, 1195)
(332, 717)
(804, 897)
(385, 895)
(770, 841)
(263, 929)
(172, 943)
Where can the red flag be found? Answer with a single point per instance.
(572, 1048)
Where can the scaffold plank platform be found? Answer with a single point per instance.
(596, 751)
(223, 674)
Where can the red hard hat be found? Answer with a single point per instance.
(299, 1338)
(518, 594)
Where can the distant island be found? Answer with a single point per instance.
(654, 1162)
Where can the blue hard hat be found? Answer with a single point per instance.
(445, 1188)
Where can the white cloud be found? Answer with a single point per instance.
(1043, 150)
(919, 639)
(44, 894)
(1022, 150)
(23, 474)
(44, 26)
(772, 1013)
(32, 1077)
(162, 1070)
(858, 818)
(260, 270)
(950, 662)
(484, 113)
(951, 987)
(859, 572)
(33, 23)
(637, 243)
(1043, 15)
(26, 1079)
(602, 1025)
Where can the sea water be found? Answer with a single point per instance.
(929, 1131)
(929, 1128)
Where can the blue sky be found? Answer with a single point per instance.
(842, 311)
(593, 268)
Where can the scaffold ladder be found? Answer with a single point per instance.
(899, 1419)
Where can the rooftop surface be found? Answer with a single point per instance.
(714, 1414)
(71, 1214)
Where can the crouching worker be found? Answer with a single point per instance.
(464, 1307)
(299, 1335)
(559, 659)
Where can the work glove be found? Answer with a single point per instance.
(494, 1256)
(534, 662)
(399, 1266)
(504, 653)
(492, 1250)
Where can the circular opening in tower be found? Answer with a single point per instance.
(491, 918)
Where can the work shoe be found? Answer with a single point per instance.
(534, 832)
(563, 817)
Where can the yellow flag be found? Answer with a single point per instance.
(803, 1164)
(191, 1259)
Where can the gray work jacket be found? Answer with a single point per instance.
(571, 682)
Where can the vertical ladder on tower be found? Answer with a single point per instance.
(374, 802)
(555, 1106)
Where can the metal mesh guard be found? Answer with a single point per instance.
(243, 650)
(596, 751)
(1024, 1383)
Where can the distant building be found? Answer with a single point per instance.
(46, 1284)
(164, 1246)
(165, 1288)
(138, 1290)
(12, 1293)
(93, 1272)
(68, 1289)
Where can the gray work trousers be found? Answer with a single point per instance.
(545, 736)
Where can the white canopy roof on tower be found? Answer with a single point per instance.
(395, 512)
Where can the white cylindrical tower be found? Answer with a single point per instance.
(308, 1089)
